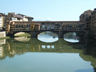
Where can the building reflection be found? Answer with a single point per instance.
(2, 41)
(1, 52)
(90, 52)
(13, 47)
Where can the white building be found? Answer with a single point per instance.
(1, 22)
(20, 17)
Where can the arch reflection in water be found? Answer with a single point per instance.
(71, 37)
(47, 46)
(22, 39)
(48, 37)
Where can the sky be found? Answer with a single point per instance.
(48, 10)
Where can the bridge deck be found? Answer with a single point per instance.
(69, 26)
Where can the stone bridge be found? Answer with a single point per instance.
(36, 27)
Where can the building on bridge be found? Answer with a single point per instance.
(13, 23)
(93, 22)
(89, 18)
(86, 18)
(6, 19)
(2, 18)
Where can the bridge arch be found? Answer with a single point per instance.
(71, 37)
(19, 33)
(48, 36)
(82, 36)
(22, 34)
(48, 32)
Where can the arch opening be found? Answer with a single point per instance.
(47, 37)
(22, 36)
(71, 37)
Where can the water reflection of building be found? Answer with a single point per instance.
(2, 41)
(1, 52)
(13, 47)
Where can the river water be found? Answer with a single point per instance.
(47, 53)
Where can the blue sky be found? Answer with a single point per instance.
(56, 10)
